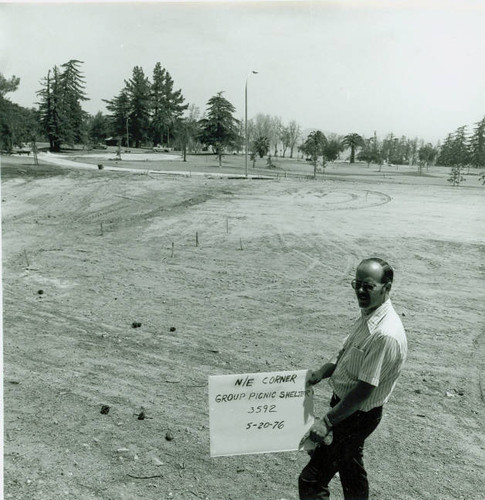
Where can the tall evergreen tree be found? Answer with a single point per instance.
(50, 108)
(460, 152)
(119, 114)
(455, 154)
(138, 90)
(72, 85)
(477, 145)
(61, 115)
(445, 156)
(219, 128)
(166, 105)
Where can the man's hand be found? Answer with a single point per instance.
(315, 377)
(324, 372)
(320, 432)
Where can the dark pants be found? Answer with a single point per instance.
(344, 455)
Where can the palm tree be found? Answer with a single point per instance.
(314, 146)
(352, 141)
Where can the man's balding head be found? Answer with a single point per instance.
(372, 284)
(387, 270)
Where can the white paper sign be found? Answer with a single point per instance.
(259, 412)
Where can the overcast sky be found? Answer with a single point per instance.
(415, 68)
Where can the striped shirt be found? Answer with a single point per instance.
(374, 352)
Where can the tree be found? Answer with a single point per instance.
(98, 127)
(294, 132)
(119, 108)
(138, 90)
(17, 124)
(261, 146)
(61, 115)
(193, 128)
(219, 128)
(454, 151)
(72, 86)
(413, 151)
(285, 139)
(426, 154)
(456, 176)
(455, 154)
(10, 85)
(314, 147)
(445, 157)
(276, 127)
(477, 145)
(332, 148)
(51, 109)
(371, 151)
(166, 105)
(352, 141)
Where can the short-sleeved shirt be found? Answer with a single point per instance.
(374, 352)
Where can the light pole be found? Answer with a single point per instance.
(246, 118)
(127, 135)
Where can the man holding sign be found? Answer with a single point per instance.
(362, 376)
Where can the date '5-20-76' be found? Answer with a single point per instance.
(265, 425)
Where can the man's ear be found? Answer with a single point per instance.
(388, 286)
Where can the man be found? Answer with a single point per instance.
(362, 377)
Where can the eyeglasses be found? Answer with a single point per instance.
(367, 287)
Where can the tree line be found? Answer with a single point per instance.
(152, 112)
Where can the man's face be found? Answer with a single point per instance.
(370, 292)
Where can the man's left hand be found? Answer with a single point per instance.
(320, 432)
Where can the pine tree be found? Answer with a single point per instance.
(138, 90)
(61, 115)
(445, 156)
(166, 106)
(50, 108)
(460, 152)
(219, 129)
(72, 86)
(119, 108)
(477, 145)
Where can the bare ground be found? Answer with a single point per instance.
(266, 289)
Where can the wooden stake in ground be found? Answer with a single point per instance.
(240, 244)
(227, 225)
(102, 232)
(26, 258)
(196, 239)
(173, 245)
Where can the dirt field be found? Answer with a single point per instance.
(268, 288)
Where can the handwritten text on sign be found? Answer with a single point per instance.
(259, 412)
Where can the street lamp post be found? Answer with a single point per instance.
(246, 118)
(127, 135)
